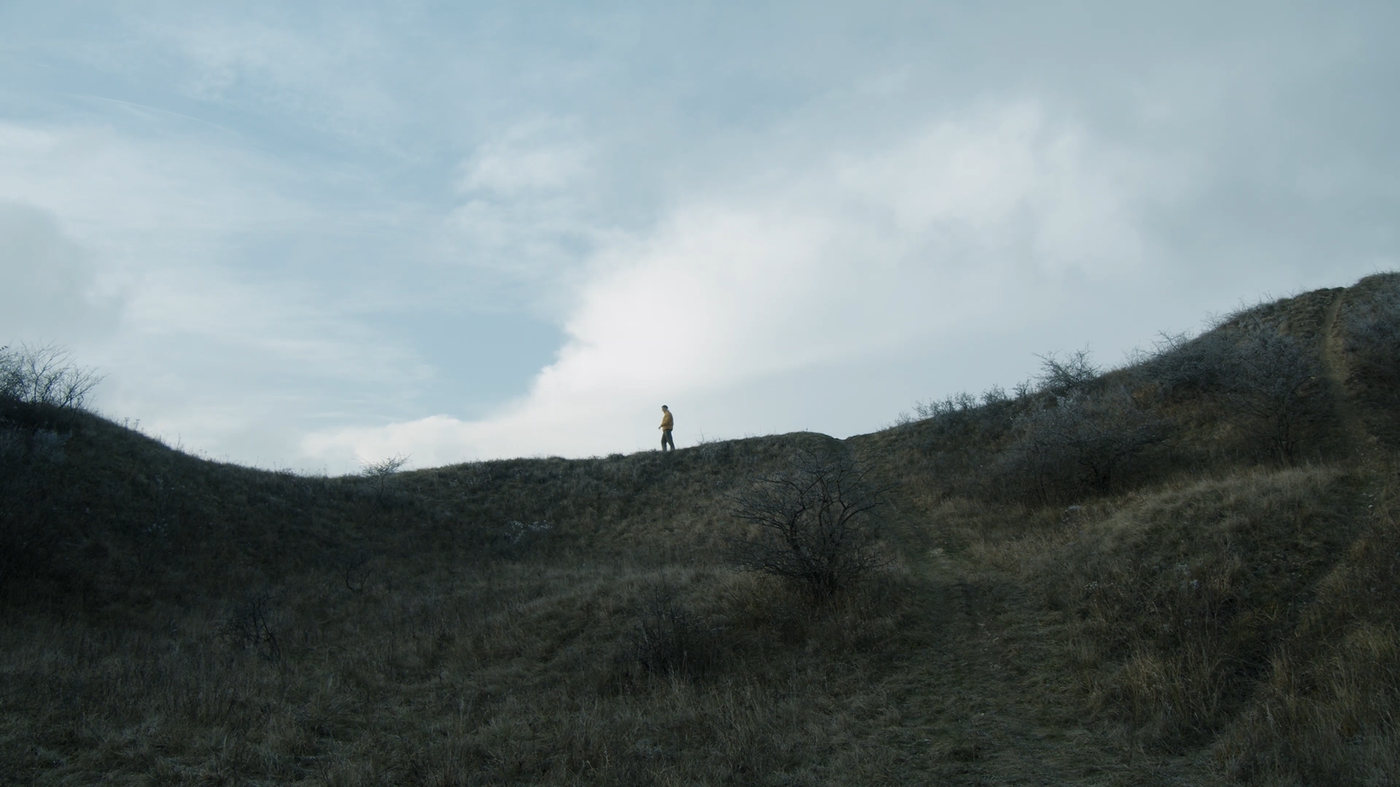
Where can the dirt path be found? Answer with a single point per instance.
(990, 701)
(1334, 363)
(991, 698)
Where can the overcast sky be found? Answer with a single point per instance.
(306, 235)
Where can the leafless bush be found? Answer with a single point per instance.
(46, 445)
(380, 472)
(669, 639)
(957, 433)
(350, 564)
(44, 375)
(1061, 377)
(1077, 443)
(1275, 391)
(250, 627)
(1184, 367)
(950, 405)
(811, 524)
(1268, 384)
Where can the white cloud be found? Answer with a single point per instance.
(525, 160)
(120, 248)
(51, 291)
(863, 253)
(304, 207)
(530, 211)
(111, 187)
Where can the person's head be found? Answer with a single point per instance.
(664, 407)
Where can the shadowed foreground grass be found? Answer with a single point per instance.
(1213, 611)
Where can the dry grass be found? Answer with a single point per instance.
(1177, 598)
(1208, 616)
(472, 686)
(1330, 713)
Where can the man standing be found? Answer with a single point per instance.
(667, 423)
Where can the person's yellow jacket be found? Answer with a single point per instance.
(667, 422)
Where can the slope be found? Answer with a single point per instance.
(1178, 572)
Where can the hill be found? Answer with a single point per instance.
(1182, 571)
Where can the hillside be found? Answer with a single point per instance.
(1182, 571)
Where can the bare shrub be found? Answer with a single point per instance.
(46, 445)
(951, 405)
(1275, 391)
(44, 375)
(380, 472)
(519, 539)
(249, 626)
(1061, 377)
(958, 434)
(13, 443)
(1183, 367)
(350, 565)
(669, 639)
(1269, 384)
(812, 524)
(1078, 443)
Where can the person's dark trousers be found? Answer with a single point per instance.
(666, 440)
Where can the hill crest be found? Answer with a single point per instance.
(1179, 571)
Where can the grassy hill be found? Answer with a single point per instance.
(1183, 571)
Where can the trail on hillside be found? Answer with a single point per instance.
(1335, 366)
(993, 699)
(985, 703)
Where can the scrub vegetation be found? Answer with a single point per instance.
(1182, 571)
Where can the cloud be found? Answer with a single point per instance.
(868, 251)
(51, 292)
(139, 250)
(315, 216)
(526, 160)
(530, 210)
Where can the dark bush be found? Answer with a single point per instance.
(378, 475)
(1276, 391)
(669, 639)
(44, 376)
(813, 524)
(249, 626)
(352, 566)
(1268, 384)
(1062, 377)
(1076, 444)
(957, 435)
(1184, 368)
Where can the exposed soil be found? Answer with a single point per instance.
(1358, 437)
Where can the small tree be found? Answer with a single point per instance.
(812, 524)
(44, 375)
(1063, 377)
(669, 638)
(1183, 367)
(1080, 442)
(1275, 391)
(379, 472)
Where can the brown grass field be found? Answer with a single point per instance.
(1173, 573)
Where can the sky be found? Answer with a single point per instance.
(311, 236)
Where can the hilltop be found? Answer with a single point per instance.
(1182, 571)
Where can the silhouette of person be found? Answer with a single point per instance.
(668, 422)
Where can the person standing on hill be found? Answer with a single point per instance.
(668, 422)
